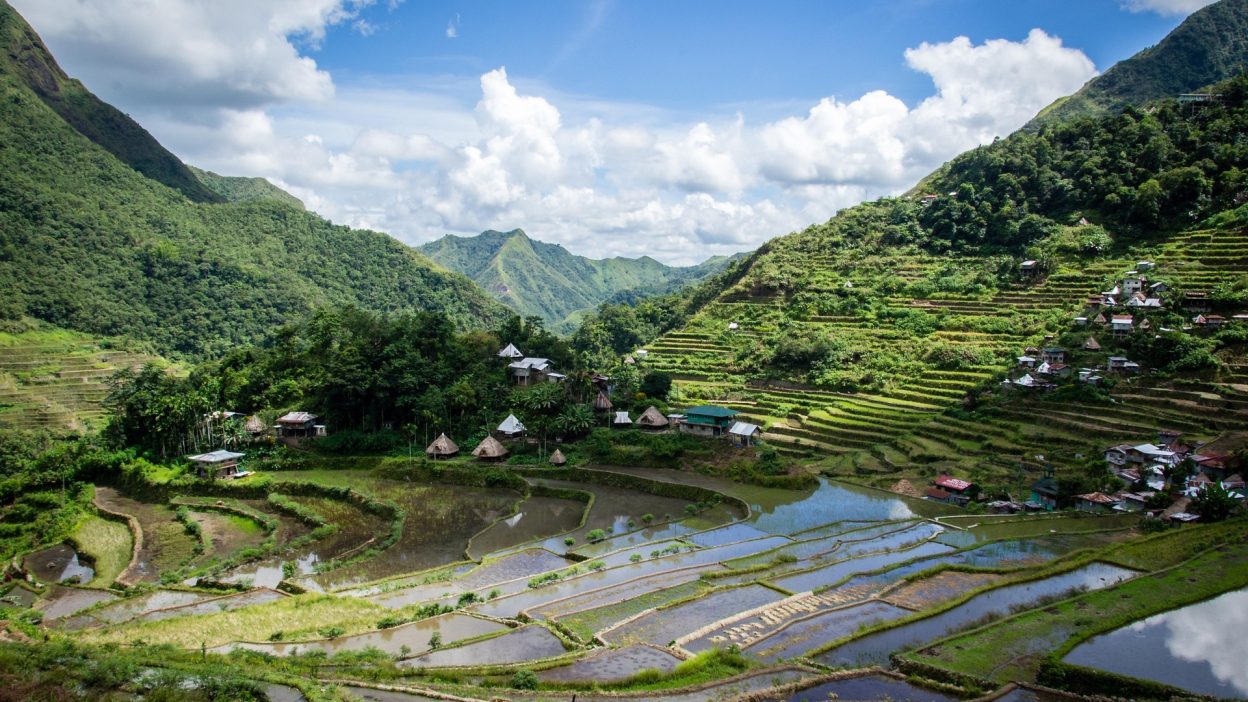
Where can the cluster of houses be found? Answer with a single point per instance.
(1151, 468)
(294, 427)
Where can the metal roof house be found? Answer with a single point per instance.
(216, 464)
(708, 420)
(745, 434)
(511, 427)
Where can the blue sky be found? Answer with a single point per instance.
(691, 55)
(677, 130)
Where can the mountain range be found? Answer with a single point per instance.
(105, 231)
(546, 280)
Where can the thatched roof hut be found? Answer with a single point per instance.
(255, 425)
(1091, 344)
(557, 458)
(602, 403)
(442, 447)
(652, 418)
(905, 487)
(490, 450)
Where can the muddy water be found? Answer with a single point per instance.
(875, 649)
(726, 535)
(613, 509)
(663, 626)
(58, 564)
(1200, 648)
(527, 643)
(537, 517)
(226, 533)
(619, 593)
(613, 665)
(218, 604)
(65, 601)
(19, 596)
(136, 606)
(415, 636)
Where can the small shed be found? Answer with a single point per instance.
(557, 458)
(217, 464)
(510, 428)
(744, 434)
(1095, 502)
(490, 450)
(296, 424)
(442, 447)
(1045, 492)
(621, 420)
(652, 418)
(510, 351)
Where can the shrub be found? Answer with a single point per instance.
(524, 680)
(595, 536)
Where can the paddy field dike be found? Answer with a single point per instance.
(605, 582)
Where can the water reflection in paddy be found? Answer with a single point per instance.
(58, 564)
(803, 582)
(875, 649)
(524, 644)
(536, 518)
(1200, 648)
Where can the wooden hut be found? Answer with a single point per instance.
(557, 458)
(490, 450)
(442, 447)
(652, 418)
(602, 403)
(255, 426)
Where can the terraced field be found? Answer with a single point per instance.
(55, 379)
(913, 419)
(808, 582)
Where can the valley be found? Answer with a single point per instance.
(973, 440)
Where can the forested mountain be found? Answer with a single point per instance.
(1209, 46)
(878, 341)
(101, 231)
(237, 189)
(545, 280)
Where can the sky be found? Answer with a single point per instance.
(678, 130)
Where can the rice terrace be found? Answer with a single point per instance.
(978, 433)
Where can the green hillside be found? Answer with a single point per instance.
(1208, 47)
(545, 280)
(237, 189)
(88, 243)
(877, 342)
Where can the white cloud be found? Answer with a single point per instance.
(1166, 7)
(226, 87)
(452, 28)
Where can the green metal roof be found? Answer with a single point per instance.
(711, 411)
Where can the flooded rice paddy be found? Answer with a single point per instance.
(613, 664)
(537, 517)
(1200, 648)
(528, 643)
(59, 564)
(655, 590)
(875, 649)
(412, 637)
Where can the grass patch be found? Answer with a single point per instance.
(297, 618)
(109, 545)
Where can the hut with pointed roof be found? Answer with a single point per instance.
(652, 418)
(442, 447)
(1091, 344)
(510, 351)
(602, 403)
(621, 420)
(490, 450)
(557, 458)
(511, 428)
